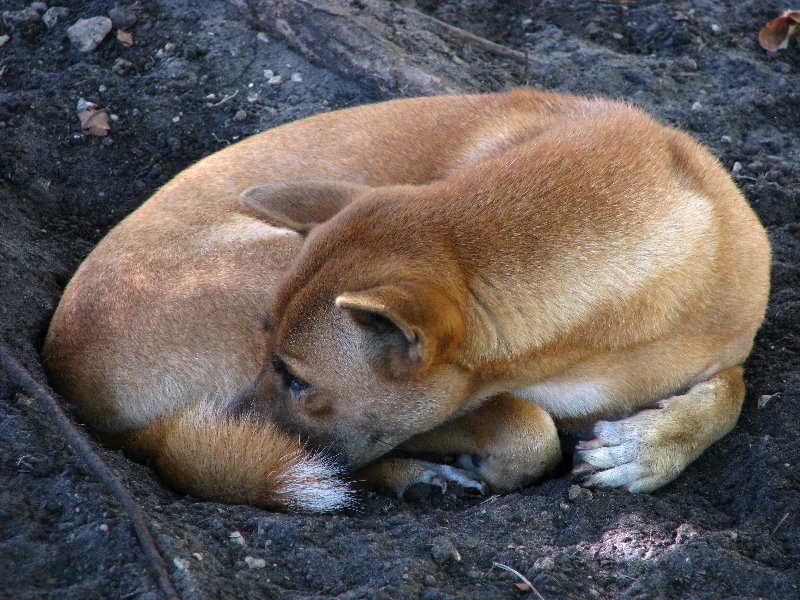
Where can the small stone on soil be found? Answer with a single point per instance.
(237, 538)
(255, 563)
(122, 17)
(53, 15)
(443, 550)
(578, 494)
(87, 34)
(28, 14)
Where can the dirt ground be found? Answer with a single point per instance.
(729, 527)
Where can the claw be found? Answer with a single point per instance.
(589, 444)
(427, 477)
(583, 469)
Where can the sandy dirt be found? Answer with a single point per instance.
(195, 82)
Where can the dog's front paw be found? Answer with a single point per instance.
(411, 478)
(637, 453)
(452, 474)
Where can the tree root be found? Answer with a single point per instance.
(396, 49)
(48, 403)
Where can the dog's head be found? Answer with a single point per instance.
(364, 328)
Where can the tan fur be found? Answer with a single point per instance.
(422, 259)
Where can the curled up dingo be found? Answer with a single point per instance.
(454, 275)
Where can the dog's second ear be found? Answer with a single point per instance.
(407, 325)
(301, 204)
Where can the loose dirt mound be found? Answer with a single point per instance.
(196, 79)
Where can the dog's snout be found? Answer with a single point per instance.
(243, 403)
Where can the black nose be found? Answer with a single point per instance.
(243, 403)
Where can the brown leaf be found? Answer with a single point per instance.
(125, 38)
(94, 122)
(522, 587)
(775, 34)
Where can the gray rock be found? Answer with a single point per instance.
(53, 15)
(579, 494)
(21, 16)
(86, 34)
(443, 550)
(122, 17)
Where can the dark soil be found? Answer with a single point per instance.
(729, 527)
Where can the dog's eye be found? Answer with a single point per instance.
(295, 384)
(291, 381)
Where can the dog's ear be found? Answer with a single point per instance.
(407, 325)
(301, 204)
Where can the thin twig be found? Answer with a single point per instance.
(521, 576)
(46, 401)
(471, 38)
(779, 524)
(226, 98)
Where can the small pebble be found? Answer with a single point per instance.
(725, 139)
(444, 550)
(53, 15)
(275, 80)
(687, 63)
(27, 14)
(764, 399)
(123, 18)
(181, 563)
(87, 34)
(103, 527)
(237, 538)
(546, 563)
(577, 493)
(297, 78)
(697, 106)
(255, 563)
(198, 555)
(240, 115)
(121, 66)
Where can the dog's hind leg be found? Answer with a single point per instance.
(507, 443)
(652, 447)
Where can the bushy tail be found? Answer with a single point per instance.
(238, 461)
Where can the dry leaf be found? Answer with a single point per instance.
(775, 34)
(94, 122)
(125, 38)
(522, 587)
(4, 39)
